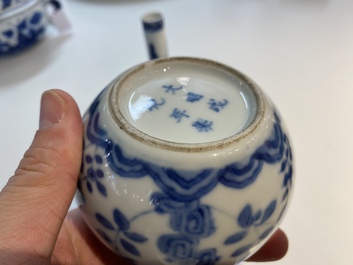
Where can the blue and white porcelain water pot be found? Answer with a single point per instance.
(185, 161)
(9, 4)
(25, 24)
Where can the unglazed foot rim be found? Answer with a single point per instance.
(127, 126)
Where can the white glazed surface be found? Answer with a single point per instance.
(193, 185)
(167, 100)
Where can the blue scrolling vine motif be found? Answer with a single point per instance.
(180, 195)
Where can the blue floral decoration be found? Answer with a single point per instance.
(247, 219)
(121, 225)
(94, 176)
(27, 32)
(180, 196)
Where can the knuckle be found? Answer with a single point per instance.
(37, 163)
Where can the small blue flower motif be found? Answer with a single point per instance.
(120, 224)
(192, 97)
(247, 218)
(179, 114)
(95, 175)
(177, 247)
(196, 222)
(217, 105)
(203, 125)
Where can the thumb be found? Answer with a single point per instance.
(36, 199)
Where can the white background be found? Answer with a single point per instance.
(299, 51)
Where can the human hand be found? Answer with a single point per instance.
(36, 227)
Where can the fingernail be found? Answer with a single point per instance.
(52, 109)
